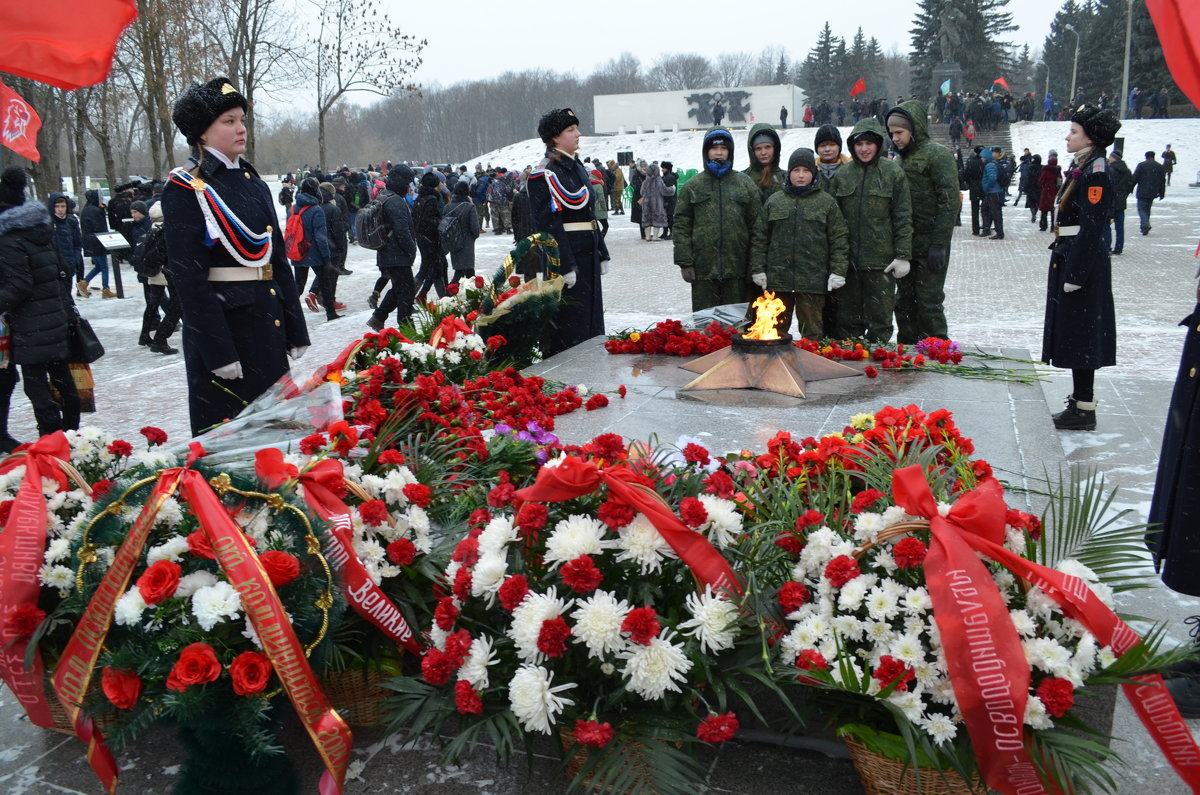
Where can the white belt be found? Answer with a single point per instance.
(580, 226)
(1066, 231)
(241, 274)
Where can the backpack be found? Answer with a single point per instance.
(295, 243)
(285, 196)
(1005, 173)
(150, 255)
(370, 227)
(452, 230)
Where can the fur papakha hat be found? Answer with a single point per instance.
(554, 121)
(1100, 125)
(199, 106)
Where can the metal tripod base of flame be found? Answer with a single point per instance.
(770, 365)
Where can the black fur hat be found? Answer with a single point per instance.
(1100, 125)
(554, 121)
(12, 187)
(200, 106)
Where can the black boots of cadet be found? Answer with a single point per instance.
(1077, 416)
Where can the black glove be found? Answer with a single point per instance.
(935, 260)
(688, 274)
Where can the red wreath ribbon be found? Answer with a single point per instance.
(23, 549)
(575, 477)
(261, 603)
(984, 656)
(322, 484)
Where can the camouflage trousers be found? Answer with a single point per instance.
(920, 304)
(718, 292)
(865, 306)
(484, 214)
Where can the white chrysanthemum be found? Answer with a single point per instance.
(917, 601)
(944, 508)
(1035, 713)
(1106, 657)
(598, 622)
(851, 596)
(369, 551)
(892, 514)
(129, 608)
(822, 538)
(884, 559)
(713, 620)
(882, 604)
(943, 693)
(488, 575)
(1006, 583)
(258, 526)
(532, 699)
(59, 577)
(1047, 654)
(495, 538)
(1038, 604)
(641, 543)
(848, 627)
(879, 632)
(152, 459)
(1023, 623)
(1104, 593)
(173, 549)
(654, 669)
(212, 603)
(867, 526)
(1076, 569)
(908, 649)
(475, 669)
(57, 550)
(574, 536)
(392, 487)
(852, 672)
(724, 523)
(527, 619)
(811, 630)
(1015, 540)
(940, 728)
(909, 703)
(190, 583)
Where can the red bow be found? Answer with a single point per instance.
(43, 455)
(450, 328)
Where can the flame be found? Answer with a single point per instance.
(767, 309)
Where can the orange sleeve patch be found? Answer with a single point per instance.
(1095, 193)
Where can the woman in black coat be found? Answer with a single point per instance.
(426, 215)
(395, 260)
(241, 309)
(560, 200)
(35, 296)
(1032, 187)
(1080, 331)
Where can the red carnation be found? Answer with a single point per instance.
(513, 591)
(695, 454)
(458, 646)
(99, 489)
(467, 699)
(462, 584)
(615, 513)
(581, 575)
(390, 457)
(642, 625)
(495, 342)
(445, 614)
(475, 356)
(792, 595)
(717, 728)
(609, 446)
(1057, 694)
(892, 670)
(419, 494)
(596, 401)
(810, 518)
(159, 581)
(909, 553)
(865, 499)
(282, 567)
(532, 517)
(622, 391)
(478, 282)
(811, 660)
(720, 484)
(841, 570)
(593, 733)
(153, 435)
(452, 289)
(120, 448)
(437, 667)
(250, 671)
(552, 638)
(374, 513)
(693, 512)
(120, 687)
(24, 620)
(870, 372)
(312, 444)
(789, 544)
(401, 552)
(500, 495)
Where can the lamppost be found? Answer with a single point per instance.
(1075, 66)
(1047, 67)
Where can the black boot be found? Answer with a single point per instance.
(1077, 416)
(162, 346)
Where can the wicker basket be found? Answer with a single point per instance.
(636, 756)
(881, 775)
(358, 696)
(62, 724)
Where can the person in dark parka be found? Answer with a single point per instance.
(68, 236)
(241, 309)
(560, 201)
(395, 260)
(463, 260)
(1080, 331)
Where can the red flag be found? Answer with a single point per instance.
(69, 46)
(1178, 26)
(1003, 82)
(859, 87)
(19, 124)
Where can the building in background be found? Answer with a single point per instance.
(693, 109)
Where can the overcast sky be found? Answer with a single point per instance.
(474, 40)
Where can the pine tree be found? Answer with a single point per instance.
(1058, 50)
(1147, 66)
(1023, 79)
(817, 75)
(781, 71)
(925, 54)
(1102, 53)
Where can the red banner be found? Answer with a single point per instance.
(984, 656)
(70, 45)
(1177, 23)
(321, 483)
(22, 551)
(575, 477)
(19, 124)
(860, 86)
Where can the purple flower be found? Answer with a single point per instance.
(525, 436)
(501, 429)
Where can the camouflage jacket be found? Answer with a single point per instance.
(932, 183)
(875, 204)
(799, 240)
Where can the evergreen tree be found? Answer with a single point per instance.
(1058, 50)
(981, 52)
(818, 74)
(781, 71)
(1147, 66)
(925, 54)
(1102, 52)
(1023, 79)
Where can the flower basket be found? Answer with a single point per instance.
(358, 696)
(636, 755)
(882, 775)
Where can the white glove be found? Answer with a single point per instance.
(835, 282)
(230, 372)
(759, 279)
(570, 278)
(1070, 288)
(298, 351)
(604, 267)
(899, 268)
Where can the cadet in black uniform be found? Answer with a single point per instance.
(225, 253)
(1080, 331)
(561, 204)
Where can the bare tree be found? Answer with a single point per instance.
(358, 49)
(620, 75)
(735, 69)
(766, 66)
(681, 71)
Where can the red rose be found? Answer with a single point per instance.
(250, 672)
(581, 575)
(282, 567)
(792, 595)
(1058, 695)
(552, 638)
(121, 688)
(642, 625)
(445, 614)
(841, 570)
(153, 435)
(24, 620)
(909, 553)
(615, 514)
(159, 581)
(693, 512)
(401, 552)
(374, 513)
(478, 282)
(200, 545)
(466, 698)
(892, 670)
(593, 733)
(452, 289)
(596, 401)
(419, 494)
(197, 664)
(513, 591)
(717, 728)
(811, 660)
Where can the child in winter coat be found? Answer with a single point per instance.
(800, 247)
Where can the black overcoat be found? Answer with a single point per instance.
(252, 322)
(1080, 330)
(34, 290)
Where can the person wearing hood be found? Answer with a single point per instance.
(68, 237)
(872, 193)
(715, 215)
(461, 208)
(395, 260)
(671, 180)
(1050, 179)
(800, 248)
(316, 232)
(93, 221)
(560, 200)
(637, 175)
(763, 147)
(932, 178)
(426, 215)
(1122, 185)
(35, 300)
(617, 193)
(242, 318)
(1080, 330)
(654, 204)
(323, 293)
